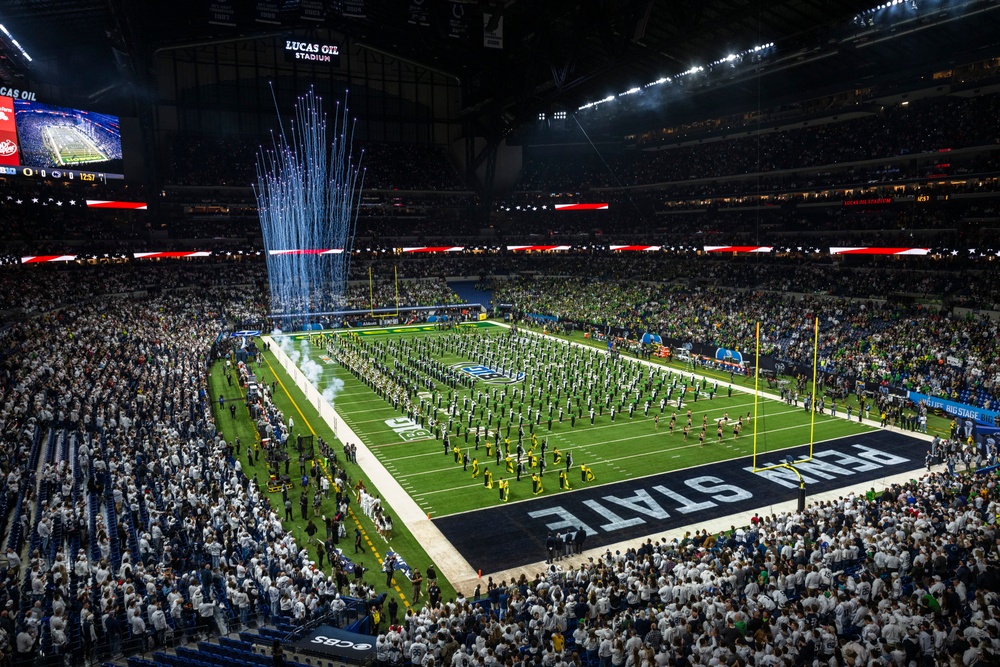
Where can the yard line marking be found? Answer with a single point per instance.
(653, 474)
(594, 444)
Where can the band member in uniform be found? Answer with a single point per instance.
(564, 481)
(487, 478)
(536, 484)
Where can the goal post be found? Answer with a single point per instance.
(789, 464)
(386, 311)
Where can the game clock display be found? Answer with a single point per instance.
(60, 175)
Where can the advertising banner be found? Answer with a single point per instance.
(332, 642)
(957, 410)
(10, 151)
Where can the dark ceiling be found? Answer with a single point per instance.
(557, 53)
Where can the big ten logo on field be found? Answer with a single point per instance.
(488, 375)
(407, 429)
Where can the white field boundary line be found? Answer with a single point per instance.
(450, 562)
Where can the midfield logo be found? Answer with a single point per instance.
(490, 376)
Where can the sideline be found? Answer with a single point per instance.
(450, 563)
(322, 464)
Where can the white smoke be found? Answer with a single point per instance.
(288, 348)
(309, 367)
(335, 387)
(312, 371)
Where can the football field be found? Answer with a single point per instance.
(614, 477)
(540, 396)
(69, 146)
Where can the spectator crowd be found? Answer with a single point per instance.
(129, 521)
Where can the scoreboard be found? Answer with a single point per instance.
(44, 141)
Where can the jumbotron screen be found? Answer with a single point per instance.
(44, 140)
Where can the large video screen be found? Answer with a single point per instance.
(58, 141)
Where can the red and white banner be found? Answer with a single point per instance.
(434, 248)
(127, 205)
(738, 248)
(626, 248)
(878, 251)
(172, 254)
(38, 259)
(601, 206)
(536, 248)
(307, 251)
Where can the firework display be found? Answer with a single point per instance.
(308, 186)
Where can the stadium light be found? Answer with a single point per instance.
(13, 41)
(590, 105)
(732, 59)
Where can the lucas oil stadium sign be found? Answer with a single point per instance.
(489, 375)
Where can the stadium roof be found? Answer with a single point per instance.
(557, 54)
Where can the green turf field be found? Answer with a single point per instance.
(70, 147)
(615, 450)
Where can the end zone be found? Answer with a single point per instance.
(508, 536)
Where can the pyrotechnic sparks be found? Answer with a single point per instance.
(308, 187)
